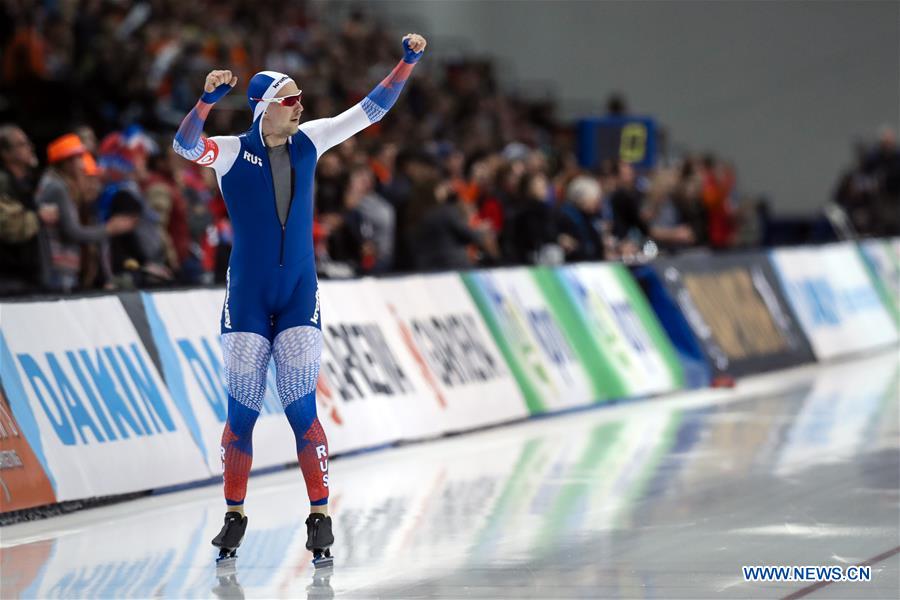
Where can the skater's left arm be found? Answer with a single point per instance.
(327, 133)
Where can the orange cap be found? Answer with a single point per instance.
(90, 165)
(65, 147)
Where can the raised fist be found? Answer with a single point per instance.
(413, 47)
(217, 78)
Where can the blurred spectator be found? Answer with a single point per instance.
(330, 183)
(23, 249)
(869, 191)
(856, 193)
(674, 209)
(24, 58)
(138, 257)
(95, 266)
(581, 225)
(886, 162)
(165, 199)
(443, 235)
(718, 183)
(412, 194)
(533, 231)
(751, 223)
(380, 216)
(628, 226)
(616, 105)
(480, 195)
(365, 237)
(209, 229)
(88, 137)
(63, 187)
(883, 165)
(383, 163)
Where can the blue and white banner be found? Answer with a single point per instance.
(90, 401)
(834, 298)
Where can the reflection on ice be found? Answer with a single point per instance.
(609, 502)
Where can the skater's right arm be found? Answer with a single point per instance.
(189, 141)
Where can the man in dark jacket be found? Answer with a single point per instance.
(23, 255)
(443, 235)
(626, 202)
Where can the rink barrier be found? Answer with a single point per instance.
(882, 260)
(576, 335)
(25, 482)
(690, 353)
(90, 402)
(734, 308)
(433, 320)
(835, 298)
(124, 393)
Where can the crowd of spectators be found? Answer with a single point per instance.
(458, 175)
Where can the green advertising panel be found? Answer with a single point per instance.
(612, 327)
(540, 356)
(575, 335)
(883, 263)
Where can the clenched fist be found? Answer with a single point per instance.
(415, 42)
(413, 47)
(217, 78)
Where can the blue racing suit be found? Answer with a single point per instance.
(271, 306)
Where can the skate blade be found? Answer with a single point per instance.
(225, 556)
(323, 562)
(226, 566)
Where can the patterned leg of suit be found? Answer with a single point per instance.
(246, 357)
(297, 352)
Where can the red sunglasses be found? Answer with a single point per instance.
(283, 101)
